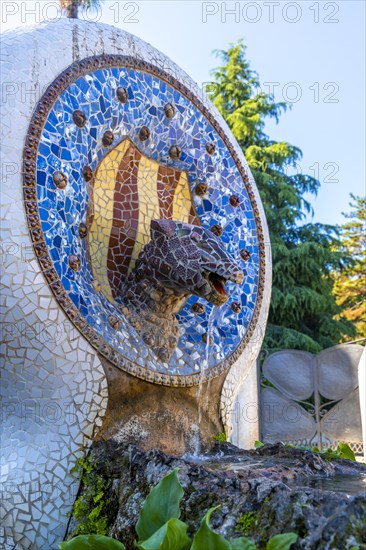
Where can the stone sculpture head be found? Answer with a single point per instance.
(191, 260)
(180, 260)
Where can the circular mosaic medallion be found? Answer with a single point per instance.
(114, 144)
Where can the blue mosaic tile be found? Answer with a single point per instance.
(67, 148)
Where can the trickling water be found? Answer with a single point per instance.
(196, 441)
(339, 483)
(349, 484)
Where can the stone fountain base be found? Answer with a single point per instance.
(262, 492)
(176, 420)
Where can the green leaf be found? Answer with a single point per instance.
(220, 437)
(258, 444)
(329, 454)
(206, 539)
(346, 451)
(171, 536)
(161, 505)
(281, 542)
(92, 542)
(242, 544)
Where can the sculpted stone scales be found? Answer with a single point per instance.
(180, 260)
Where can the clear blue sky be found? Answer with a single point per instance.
(314, 50)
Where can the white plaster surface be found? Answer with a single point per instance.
(245, 411)
(53, 384)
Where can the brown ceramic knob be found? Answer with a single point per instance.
(216, 230)
(59, 179)
(169, 110)
(210, 148)
(83, 230)
(113, 322)
(245, 254)
(144, 133)
(234, 201)
(201, 189)
(122, 94)
(172, 342)
(97, 286)
(148, 339)
(31, 207)
(40, 250)
(107, 138)
(79, 118)
(87, 173)
(46, 263)
(175, 152)
(34, 221)
(236, 307)
(37, 235)
(163, 354)
(74, 262)
(29, 180)
(29, 193)
(198, 308)
(208, 340)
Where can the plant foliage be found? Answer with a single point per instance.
(92, 507)
(71, 7)
(161, 505)
(281, 542)
(207, 538)
(220, 437)
(350, 283)
(92, 542)
(302, 307)
(173, 534)
(246, 522)
(343, 450)
(159, 527)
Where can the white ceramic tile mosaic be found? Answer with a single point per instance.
(54, 388)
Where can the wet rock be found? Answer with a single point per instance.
(274, 483)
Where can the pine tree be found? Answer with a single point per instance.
(71, 7)
(350, 283)
(302, 307)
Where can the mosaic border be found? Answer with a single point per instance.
(29, 173)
